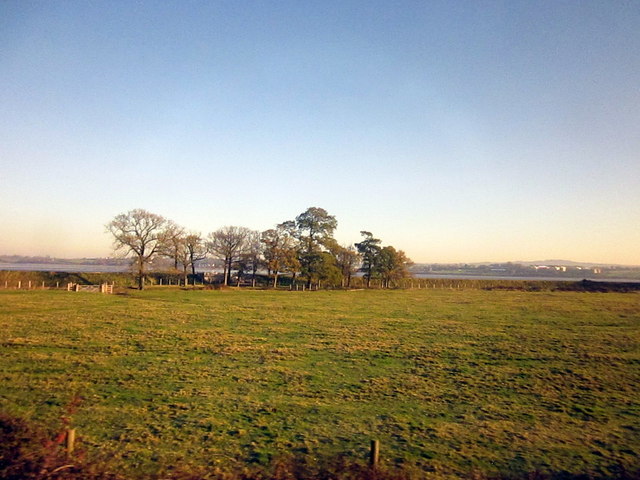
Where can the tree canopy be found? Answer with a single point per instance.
(302, 247)
(140, 233)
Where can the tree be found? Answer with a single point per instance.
(172, 245)
(347, 261)
(182, 255)
(314, 228)
(327, 270)
(141, 234)
(392, 264)
(228, 244)
(252, 257)
(279, 250)
(369, 248)
(196, 249)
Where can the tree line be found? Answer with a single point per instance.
(303, 248)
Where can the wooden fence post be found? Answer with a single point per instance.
(70, 440)
(374, 455)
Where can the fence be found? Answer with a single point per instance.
(357, 283)
(29, 285)
(102, 288)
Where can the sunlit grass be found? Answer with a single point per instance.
(451, 381)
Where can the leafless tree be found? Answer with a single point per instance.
(172, 245)
(138, 233)
(196, 249)
(227, 244)
(252, 256)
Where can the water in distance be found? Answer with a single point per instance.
(63, 267)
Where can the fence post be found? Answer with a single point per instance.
(19, 284)
(374, 455)
(29, 284)
(70, 440)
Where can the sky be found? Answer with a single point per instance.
(464, 131)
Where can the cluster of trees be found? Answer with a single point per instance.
(301, 248)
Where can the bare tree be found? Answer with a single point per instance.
(196, 249)
(228, 244)
(173, 243)
(139, 233)
(252, 256)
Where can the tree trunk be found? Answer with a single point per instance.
(275, 280)
(140, 274)
(229, 264)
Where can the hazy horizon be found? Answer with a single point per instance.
(457, 132)
(564, 261)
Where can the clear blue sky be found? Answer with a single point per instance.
(458, 131)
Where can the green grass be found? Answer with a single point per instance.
(453, 382)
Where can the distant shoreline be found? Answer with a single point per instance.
(63, 267)
(93, 268)
(462, 276)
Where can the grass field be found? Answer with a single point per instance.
(453, 383)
